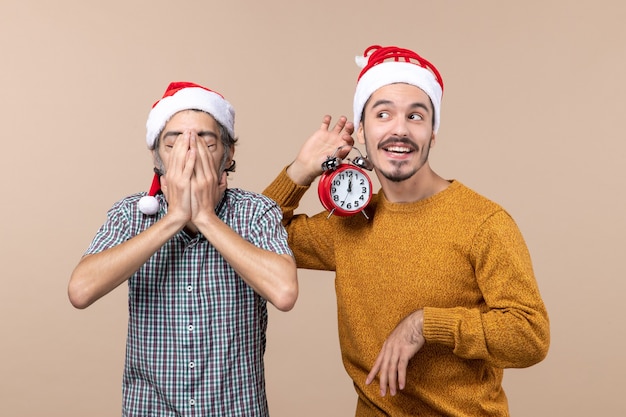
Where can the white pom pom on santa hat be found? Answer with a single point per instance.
(148, 204)
(389, 65)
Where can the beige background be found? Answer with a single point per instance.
(532, 118)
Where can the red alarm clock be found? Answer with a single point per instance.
(345, 189)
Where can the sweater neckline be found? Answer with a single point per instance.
(402, 207)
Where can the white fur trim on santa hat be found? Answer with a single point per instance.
(191, 98)
(392, 72)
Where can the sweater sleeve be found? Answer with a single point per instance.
(511, 330)
(310, 238)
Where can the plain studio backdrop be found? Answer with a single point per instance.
(532, 118)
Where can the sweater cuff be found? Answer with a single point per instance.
(440, 325)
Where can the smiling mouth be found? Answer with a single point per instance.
(398, 146)
(398, 149)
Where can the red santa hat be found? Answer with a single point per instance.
(389, 65)
(181, 96)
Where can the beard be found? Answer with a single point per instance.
(397, 173)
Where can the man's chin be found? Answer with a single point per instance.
(397, 175)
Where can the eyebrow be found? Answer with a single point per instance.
(202, 134)
(209, 133)
(383, 102)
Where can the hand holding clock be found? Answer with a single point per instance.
(324, 142)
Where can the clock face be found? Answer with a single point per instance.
(345, 191)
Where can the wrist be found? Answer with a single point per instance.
(419, 323)
(300, 175)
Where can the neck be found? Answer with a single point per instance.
(191, 229)
(423, 184)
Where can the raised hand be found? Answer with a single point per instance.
(323, 143)
(176, 183)
(207, 183)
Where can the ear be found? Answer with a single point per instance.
(157, 159)
(231, 154)
(360, 136)
(433, 140)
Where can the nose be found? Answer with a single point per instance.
(400, 127)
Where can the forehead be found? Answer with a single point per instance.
(400, 94)
(195, 120)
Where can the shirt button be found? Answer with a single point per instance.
(192, 402)
(190, 327)
(192, 365)
(189, 288)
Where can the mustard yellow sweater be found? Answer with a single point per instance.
(458, 256)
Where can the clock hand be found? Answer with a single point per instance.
(349, 190)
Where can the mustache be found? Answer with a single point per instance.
(395, 140)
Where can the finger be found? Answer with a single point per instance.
(383, 378)
(198, 152)
(346, 148)
(383, 369)
(190, 159)
(326, 122)
(178, 161)
(372, 375)
(392, 376)
(341, 123)
(402, 365)
(208, 169)
(349, 140)
(349, 128)
(391, 372)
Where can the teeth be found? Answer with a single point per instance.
(398, 149)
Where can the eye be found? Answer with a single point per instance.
(415, 116)
(169, 141)
(383, 115)
(209, 138)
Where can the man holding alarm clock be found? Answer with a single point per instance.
(436, 293)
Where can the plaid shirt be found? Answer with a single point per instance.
(196, 332)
